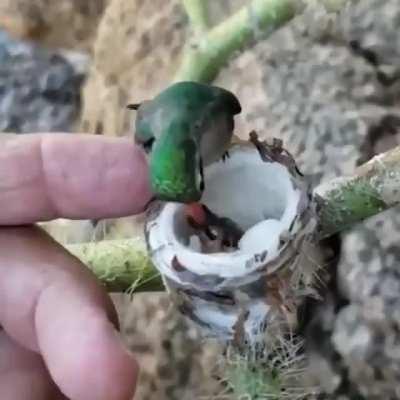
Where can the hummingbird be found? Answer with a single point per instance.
(183, 129)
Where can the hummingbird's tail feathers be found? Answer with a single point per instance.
(134, 106)
(228, 100)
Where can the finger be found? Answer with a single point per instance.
(50, 302)
(23, 375)
(43, 177)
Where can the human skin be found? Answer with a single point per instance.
(58, 334)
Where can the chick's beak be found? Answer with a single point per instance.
(195, 213)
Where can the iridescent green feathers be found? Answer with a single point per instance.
(173, 128)
(175, 168)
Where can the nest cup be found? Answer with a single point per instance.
(236, 294)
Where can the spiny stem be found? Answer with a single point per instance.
(121, 265)
(373, 188)
(197, 13)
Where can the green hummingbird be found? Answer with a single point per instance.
(187, 126)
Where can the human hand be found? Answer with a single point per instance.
(59, 326)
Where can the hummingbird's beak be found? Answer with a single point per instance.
(134, 106)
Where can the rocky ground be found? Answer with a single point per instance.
(39, 88)
(329, 86)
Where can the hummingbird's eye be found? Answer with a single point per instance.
(197, 125)
(148, 145)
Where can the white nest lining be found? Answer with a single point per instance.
(257, 195)
(224, 321)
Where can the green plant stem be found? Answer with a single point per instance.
(204, 57)
(209, 51)
(121, 265)
(197, 13)
(373, 188)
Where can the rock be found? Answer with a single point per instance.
(364, 329)
(39, 89)
(67, 24)
(371, 29)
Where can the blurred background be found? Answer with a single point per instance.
(327, 83)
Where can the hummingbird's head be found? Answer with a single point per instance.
(170, 139)
(178, 128)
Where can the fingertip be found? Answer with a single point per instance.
(107, 178)
(71, 176)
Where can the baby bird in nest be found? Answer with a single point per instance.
(216, 233)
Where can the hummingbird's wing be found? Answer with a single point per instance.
(227, 100)
(134, 106)
(217, 124)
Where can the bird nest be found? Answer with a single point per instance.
(235, 292)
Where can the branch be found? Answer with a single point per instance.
(197, 13)
(206, 54)
(203, 58)
(124, 264)
(121, 265)
(373, 188)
